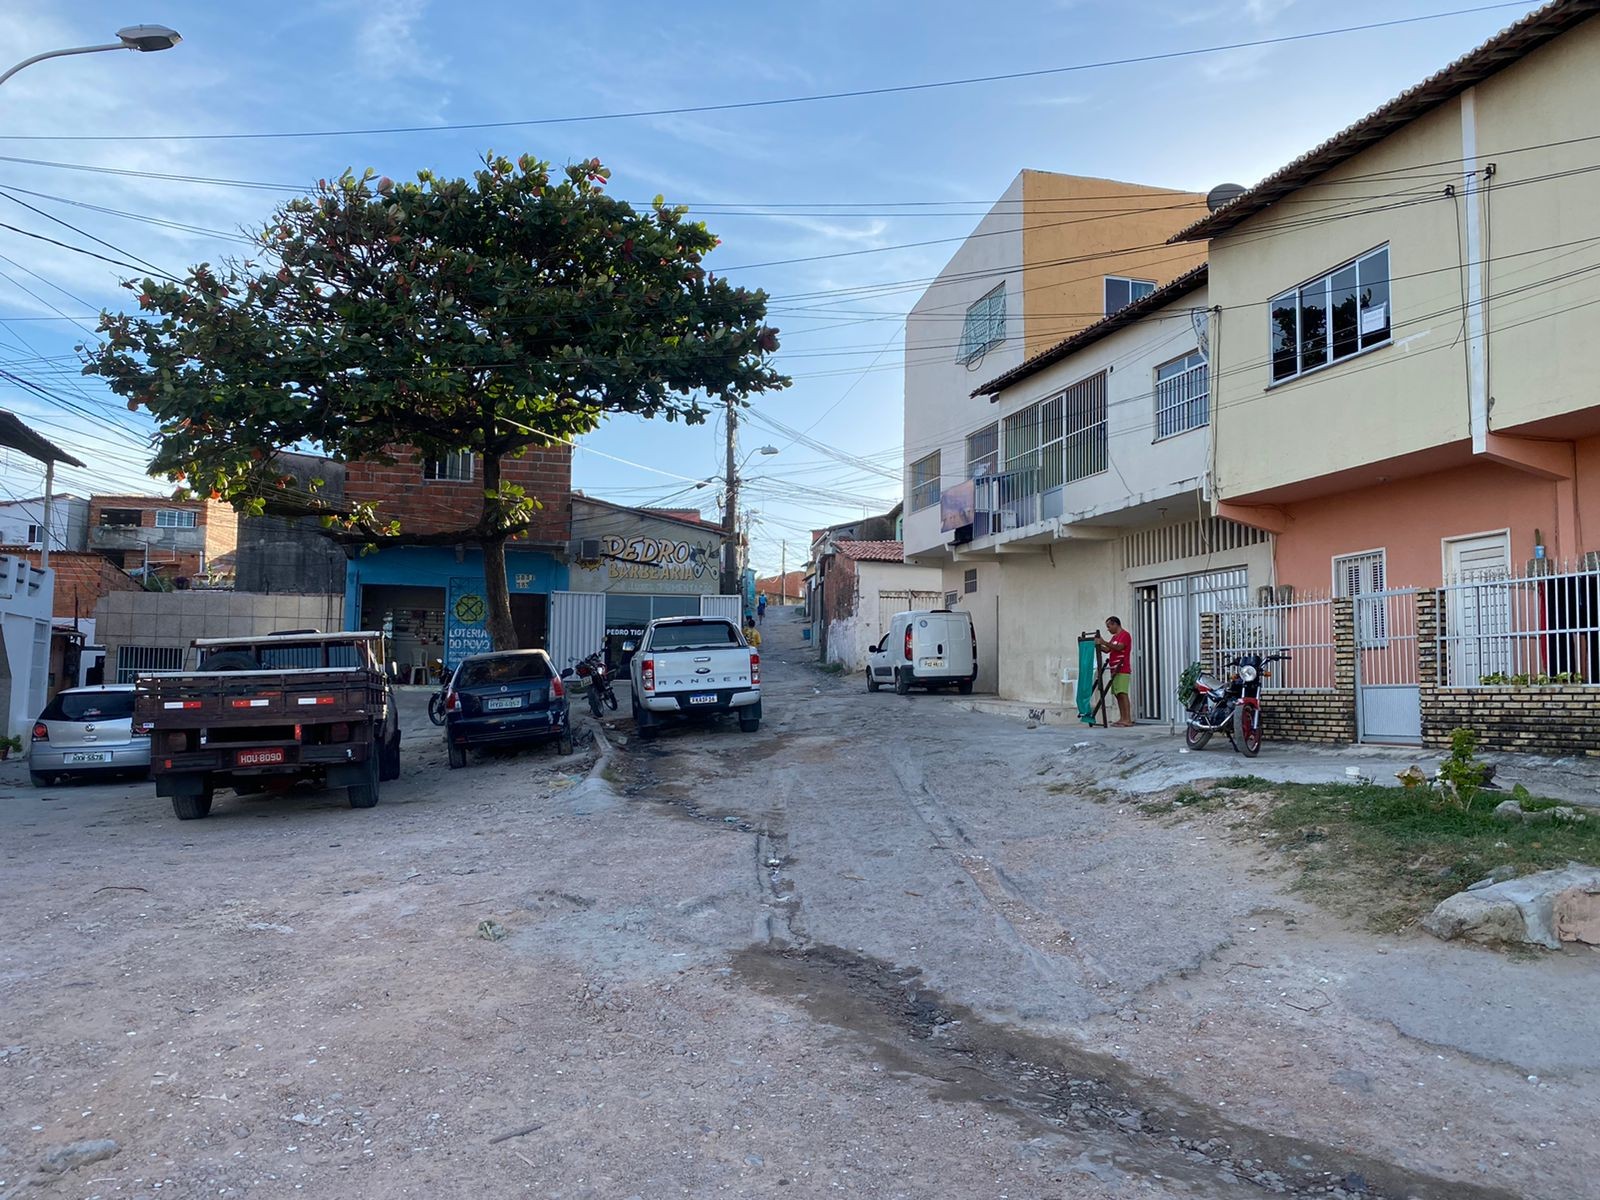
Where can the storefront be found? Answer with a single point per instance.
(429, 600)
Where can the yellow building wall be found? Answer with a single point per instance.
(1099, 227)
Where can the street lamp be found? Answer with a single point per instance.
(143, 38)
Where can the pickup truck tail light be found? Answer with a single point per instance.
(755, 669)
(557, 688)
(908, 643)
(647, 673)
(41, 732)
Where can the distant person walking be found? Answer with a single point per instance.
(761, 609)
(1119, 648)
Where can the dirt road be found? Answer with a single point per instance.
(884, 947)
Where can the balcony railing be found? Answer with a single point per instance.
(1007, 501)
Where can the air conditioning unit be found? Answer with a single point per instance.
(1263, 597)
(586, 550)
(1286, 593)
(961, 536)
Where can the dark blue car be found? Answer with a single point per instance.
(505, 699)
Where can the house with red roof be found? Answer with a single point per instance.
(858, 587)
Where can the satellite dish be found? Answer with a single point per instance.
(1223, 194)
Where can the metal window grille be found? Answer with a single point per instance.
(925, 482)
(1085, 415)
(1183, 399)
(455, 467)
(134, 661)
(1497, 629)
(983, 452)
(1303, 629)
(1357, 577)
(175, 518)
(985, 325)
(1188, 539)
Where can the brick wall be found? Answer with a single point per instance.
(431, 506)
(81, 579)
(221, 527)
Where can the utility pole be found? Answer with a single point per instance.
(730, 510)
(783, 574)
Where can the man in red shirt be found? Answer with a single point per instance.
(1120, 659)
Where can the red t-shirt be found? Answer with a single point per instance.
(1121, 652)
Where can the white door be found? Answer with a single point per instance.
(1478, 613)
(577, 626)
(731, 607)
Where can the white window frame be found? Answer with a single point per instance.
(969, 581)
(1149, 285)
(175, 518)
(1183, 407)
(985, 325)
(1323, 284)
(455, 467)
(990, 459)
(35, 535)
(920, 482)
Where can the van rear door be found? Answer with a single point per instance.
(957, 635)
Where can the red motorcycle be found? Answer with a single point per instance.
(594, 672)
(1233, 707)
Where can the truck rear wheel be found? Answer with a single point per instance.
(365, 793)
(192, 808)
(749, 724)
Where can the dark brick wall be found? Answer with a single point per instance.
(1559, 720)
(433, 506)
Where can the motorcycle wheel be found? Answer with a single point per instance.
(594, 699)
(1247, 729)
(611, 698)
(1195, 738)
(436, 709)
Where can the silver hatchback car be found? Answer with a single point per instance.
(88, 731)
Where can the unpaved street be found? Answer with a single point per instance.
(884, 947)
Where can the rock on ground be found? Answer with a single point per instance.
(1521, 910)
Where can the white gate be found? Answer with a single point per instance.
(1166, 635)
(891, 603)
(731, 607)
(577, 626)
(1388, 692)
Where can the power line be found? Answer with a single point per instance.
(814, 98)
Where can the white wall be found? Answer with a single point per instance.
(26, 598)
(939, 411)
(850, 637)
(69, 522)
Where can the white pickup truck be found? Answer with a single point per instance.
(689, 667)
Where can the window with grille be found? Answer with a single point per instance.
(925, 482)
(985, 326)
(1357, 577)
(1085, 432)
(134, 661)
(969, 581)
(1333, 317)
(119, 516)
(174, 518)
(1121, 292)
(1182, 395)
(983, 452)
(455, 467)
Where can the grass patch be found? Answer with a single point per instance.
(1187, 797)
(1390, 854)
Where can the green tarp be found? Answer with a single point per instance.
(1086, 673)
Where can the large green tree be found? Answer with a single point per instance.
(514, 309)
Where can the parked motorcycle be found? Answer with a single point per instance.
(597, 675)
(436, 702)
(1233, 707)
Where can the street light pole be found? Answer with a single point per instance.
(143, 38)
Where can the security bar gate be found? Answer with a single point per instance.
(1388, 690)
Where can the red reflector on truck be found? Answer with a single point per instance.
(180, 704)
(257, 702)
(316, 700)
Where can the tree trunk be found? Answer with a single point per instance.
(496, 592)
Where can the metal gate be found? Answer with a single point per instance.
(731, 607)
(890, 603)
(134, 661)
(1388, 691)
(577, 626)
(1166, 637)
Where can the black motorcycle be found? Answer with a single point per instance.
(597, 675)
(1233, 707)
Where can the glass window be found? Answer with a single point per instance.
(89, 706)
(969, 584)
(1182, 400)
(455, 467)
(696, 635)
(1332, 317)
(925, 482)
(175, 518)
(1050, 443)
(502, 668)
(119, 516)
(983, 452)
(1121, 292)
(35, 534)
(985, 325)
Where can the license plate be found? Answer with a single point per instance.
(498, 702)
(708, 698)
(88, 756)
(936, 664)
(259, 758)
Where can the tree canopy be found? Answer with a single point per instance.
(516, 308)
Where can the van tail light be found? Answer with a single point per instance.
(558, 690)
(755, 669)
(908, 643)
(647, 672)
(41, 732)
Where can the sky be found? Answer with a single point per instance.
(813, 201)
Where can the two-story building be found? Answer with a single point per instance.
(172, 539)
(430, 596)
(1054, 255)
(22, 522)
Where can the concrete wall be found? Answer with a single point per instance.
(278, 554)
(177, 618)
(25, 601)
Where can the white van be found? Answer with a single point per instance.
(927, 649)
